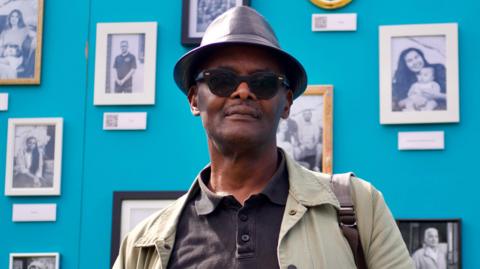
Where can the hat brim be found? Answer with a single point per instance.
(183, 72)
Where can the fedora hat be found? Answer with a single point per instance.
(239, 26)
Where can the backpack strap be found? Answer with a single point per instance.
(347, 219)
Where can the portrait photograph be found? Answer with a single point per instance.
(198, 14)
(20, 41)
(433, 243)
(306, 135)
(34, 261)
(125, 63)
(420, 83)
(132, 207)
(34, 156)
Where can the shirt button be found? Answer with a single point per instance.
(291, 266)
(243, 217)
(245, 237)
(291, 213)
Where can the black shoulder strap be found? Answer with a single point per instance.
(346, 216)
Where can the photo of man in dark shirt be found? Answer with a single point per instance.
(125, 65)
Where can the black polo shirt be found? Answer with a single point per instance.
(216, 231)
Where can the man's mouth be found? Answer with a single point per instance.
(242, 110)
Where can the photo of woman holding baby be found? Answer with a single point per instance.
(19, 31)
(417, 84)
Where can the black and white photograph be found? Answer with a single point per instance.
(125, 63)
(198, 14)
(131, 207)
(433, 244)
(306, 134)
(20, 41)
(33, 157)
(34, 261)
(419, 74)
(422, 69)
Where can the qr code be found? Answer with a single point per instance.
(111, 120)
(320, 22)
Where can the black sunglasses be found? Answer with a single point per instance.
(223, 83)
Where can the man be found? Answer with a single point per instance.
(310, 143)
(125, 66)
(253, 206)
(432, 255)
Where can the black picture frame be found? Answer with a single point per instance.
(449, 233)
(119, 197)
(193, 39)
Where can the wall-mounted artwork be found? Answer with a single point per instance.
(198, 14)
(307, 133)
(419, 73)
(34, 156)
(21, 26)
(433, 243)
(131, 207)
(34, 260)
(125, 63)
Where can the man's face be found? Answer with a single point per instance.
(241, 118)
(124, 47)
(307, 115)
(431, 237)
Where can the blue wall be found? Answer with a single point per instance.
(167, 156)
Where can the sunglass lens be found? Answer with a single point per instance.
(222, 83)
(264, 85)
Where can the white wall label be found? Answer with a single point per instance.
(125, 120)
(421, 140)
(334, 22)
(34, 212)
(3, 101)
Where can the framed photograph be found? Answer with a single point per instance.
(433, 243)
(307, 133)
(419, 73)
(35, 260)
(125, 60)
(34, 156)
(198, 14)
(131, 207)
(21, 26)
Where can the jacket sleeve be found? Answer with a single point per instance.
(381, 239)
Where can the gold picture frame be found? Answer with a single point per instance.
(331, 4)
(307, 134)
(22, 59)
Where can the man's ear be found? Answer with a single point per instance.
(288, 104)
(193, 100)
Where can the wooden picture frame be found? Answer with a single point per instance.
(419, 73)
(311, 111)
(124, 205)
(21, 31)
(443, 236)
(197, 15)
(32, 139)
(125, 62)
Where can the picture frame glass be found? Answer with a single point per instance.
(306, 134)
(433, 242)
(419, 73)
(34, 261)
(34, 156)
(20, 41)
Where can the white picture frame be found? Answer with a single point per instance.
(114, 85)
(419, 73)
(32, 139)
(49, 260)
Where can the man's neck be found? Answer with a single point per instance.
(242, 174)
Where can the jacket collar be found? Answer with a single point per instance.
(307, 188)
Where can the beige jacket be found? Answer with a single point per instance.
(309, 235)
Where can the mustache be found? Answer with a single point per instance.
(243, 108)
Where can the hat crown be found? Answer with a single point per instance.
(240, 24)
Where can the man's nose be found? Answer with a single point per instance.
(243, 92)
